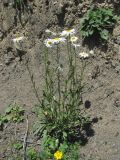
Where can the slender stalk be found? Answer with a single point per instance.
(25, 139)
(46, 67)
(82, 70)
(58, 77)
(33, 82)
(75, 58)
(48, 82)
(68, 50)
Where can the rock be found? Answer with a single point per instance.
(1, 34)
(116, 102)
(117, 69)
(95, 72)
(8, 56)
(116, 31)
(108, 92)
(116, 134)
(6, 3)
(1, 67)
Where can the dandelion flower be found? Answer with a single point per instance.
(58, 40)
(18, 42)
(58, 155)
(49, 31)
(68, 32)
(49, 43)
(83, 55)
(73, 39)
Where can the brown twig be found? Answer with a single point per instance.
(25, 140)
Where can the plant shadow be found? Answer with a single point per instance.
(21, 8)
(95, 42)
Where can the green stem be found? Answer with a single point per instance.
(75, 66)
(68, 50)
(33, 82)
(58, 76)
(46, 67)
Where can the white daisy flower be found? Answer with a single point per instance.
(49, 43)
(76, 45)
(58, 40)
(68, 32)
(18, 39)
(60, 68)
(91, 52)
(73, 39)
(18, 42)
(83, 55)
(49, 31)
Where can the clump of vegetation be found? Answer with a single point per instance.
(32, 154)
(14, 113)
(99, 22)
(3, 120)
(18, 4)
(53, 149)
(60, 113)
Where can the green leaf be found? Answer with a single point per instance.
(64, 135)
(8, 110)
(18, 146)
(104, 34)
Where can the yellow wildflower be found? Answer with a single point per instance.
(58, 155)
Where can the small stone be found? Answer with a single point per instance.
(6, 3)
(108, 92)
(117, 69)
(116, 134)
(7, 61)
(117, 102)
(106, 142)
(1, 35)
(17, 59)
(1, 67)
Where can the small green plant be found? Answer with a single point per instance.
(48, 147)
(99, 22)
(14, 113)
(32, 154)
(3, 120)
(17, 146)
(52, 149)
(18, 2)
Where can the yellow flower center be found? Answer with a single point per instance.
(56, 39)
(68, 30)
(73, 38)
(49, 42)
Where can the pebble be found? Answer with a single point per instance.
(117, 102)
(116, 134)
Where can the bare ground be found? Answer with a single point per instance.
(101, 95)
